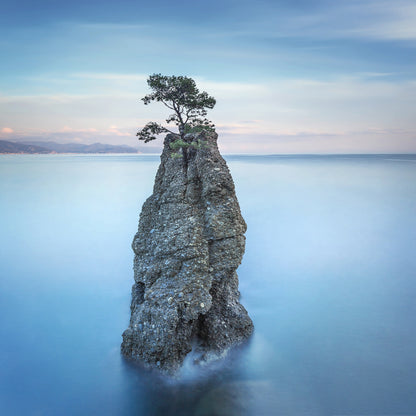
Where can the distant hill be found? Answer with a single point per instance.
(52, 147)
(11, 147)
(83, 148)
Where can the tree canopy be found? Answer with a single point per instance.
(181, 95)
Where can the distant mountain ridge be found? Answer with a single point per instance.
(39, 147)
(11, 147)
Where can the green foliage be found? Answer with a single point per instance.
(178, 143)
(199, 144)
(181, 95)
(181, 144)
(199, 128)
(150, 130)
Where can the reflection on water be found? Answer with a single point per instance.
(328, 278)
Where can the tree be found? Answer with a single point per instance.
(181, 95)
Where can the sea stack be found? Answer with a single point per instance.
(189, 244)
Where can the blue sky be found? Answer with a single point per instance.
(289, 76)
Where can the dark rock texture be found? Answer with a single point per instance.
(188, 246)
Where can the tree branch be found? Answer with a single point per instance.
(167, 105)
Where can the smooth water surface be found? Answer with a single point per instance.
(329, 279)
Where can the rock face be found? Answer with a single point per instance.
(188, 246)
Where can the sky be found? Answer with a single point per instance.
(289, 76)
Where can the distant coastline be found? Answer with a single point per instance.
(7, 147)
(51, 148)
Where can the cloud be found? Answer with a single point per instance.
(387, 20)
(70, 129)
(352, 19)
(371, 19)
(304, 111)
(109, 76)
(115, 130)
(108, 27)
(7, 130)
(353, 142)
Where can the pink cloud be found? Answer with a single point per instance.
(66, 129)
(115, 130)
(7, 130)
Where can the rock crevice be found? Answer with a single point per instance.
(189, 243)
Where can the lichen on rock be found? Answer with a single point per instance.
(189, 244)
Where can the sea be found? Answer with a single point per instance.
(328, 277)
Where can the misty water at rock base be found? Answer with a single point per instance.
(328, 277)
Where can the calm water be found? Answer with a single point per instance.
(329, 278)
